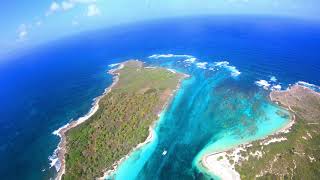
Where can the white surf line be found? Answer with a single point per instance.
(61, 149)
(225, 64)
(218, 163)
(158, 56)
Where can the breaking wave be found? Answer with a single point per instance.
(158, 56)
(309, 85)
(225, 64)
(189, 60)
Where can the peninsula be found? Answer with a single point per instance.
(120, 120)
(292, 153)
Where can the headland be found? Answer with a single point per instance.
(291, 152)
(120, 121)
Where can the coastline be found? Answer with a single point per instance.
(115, 166)
(61, 149)
(218, 163)
(152, 132)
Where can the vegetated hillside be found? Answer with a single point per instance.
(297, 157)
(122, 121)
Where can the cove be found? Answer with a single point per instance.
(215, 109)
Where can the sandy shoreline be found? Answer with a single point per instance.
(218, 163)
(61, 149)
(116, 164)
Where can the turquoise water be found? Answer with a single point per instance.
(46, 87)
(214, 110)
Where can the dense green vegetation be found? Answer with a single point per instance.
(299, 156)
(122, 121)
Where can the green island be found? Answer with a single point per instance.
(294, 154)
(122, 121)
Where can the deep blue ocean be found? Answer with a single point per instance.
(43, 88)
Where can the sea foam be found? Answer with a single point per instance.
(269, 85)
(190, 60)
(56, 132)
(114, 65)
(202, 65)
(309, 85)
(54, 160)
(263, 83)
(273, 79)
(225, 64)
(157, 56)
(276, 87)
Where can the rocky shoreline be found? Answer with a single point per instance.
(61, 132)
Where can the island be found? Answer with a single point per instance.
(291, 153)
(119, 122)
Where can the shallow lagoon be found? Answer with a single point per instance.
(214, 110)
(44, 88)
